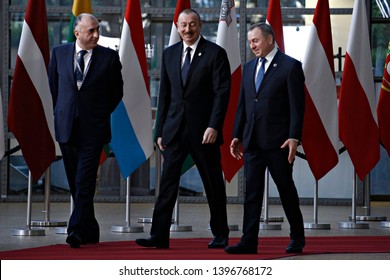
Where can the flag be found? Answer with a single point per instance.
(180, 6)
(227, 37)
(320, 126)
(383, 109)
(357, 119)
(79, 7)
(131, 122)
(2, 138)
(30, 109)
(274, 19)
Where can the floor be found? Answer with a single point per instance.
(192, 219)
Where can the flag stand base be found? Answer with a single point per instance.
(353, 225)
(28, 232)
(127, 229)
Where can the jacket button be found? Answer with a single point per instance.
(256, 100)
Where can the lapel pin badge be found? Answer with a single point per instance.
(275, 65)
(199, 54)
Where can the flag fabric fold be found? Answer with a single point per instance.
(131, 122)
(30, 109)
(180, 6)
(2, 138)
(383, 109)
(320, 125)
(357, 117)
(227, 37)
(274, 19)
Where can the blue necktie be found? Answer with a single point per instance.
(186, 65)
(260, 74)
(80, 66)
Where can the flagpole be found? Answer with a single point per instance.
(29, 231)
(352, 224)
(176, 226)
(127, 228)
(47, 222)
(64, 230)
(266, 220)
(156, 186)
(315, 224)
(367, 204)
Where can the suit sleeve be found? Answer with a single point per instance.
(163, 99)
(240, 120)
(221, 89)
(296, 82)
(53, 77)
(116, 81)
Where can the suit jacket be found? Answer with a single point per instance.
(275, 112)
(202, 102)
(97, 98)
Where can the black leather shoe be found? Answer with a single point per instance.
(218, 242)
(240, 248)
(295, 246)
(74, 240)
(152, 242)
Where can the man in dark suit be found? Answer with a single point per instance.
(85, 90)
(191, 112)
(269, 127)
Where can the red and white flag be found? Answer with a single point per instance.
(227, 37)
(274, 19)
(30, 110)
(320, 126)
(357, 117)
(180, 6)
(383, 109)
(2, 138)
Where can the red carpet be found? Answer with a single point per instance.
(196, 249)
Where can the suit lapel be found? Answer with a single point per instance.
(69, 62)
(196, 58)
(274, 65)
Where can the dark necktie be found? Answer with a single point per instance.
(80, 66)
(260, 74)
(186, 65)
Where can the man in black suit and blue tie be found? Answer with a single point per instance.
(86, 85)
(267, 131)
(193, 100)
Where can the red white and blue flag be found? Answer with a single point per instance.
(131, 122)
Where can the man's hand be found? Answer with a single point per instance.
(292, 146)
(236, 149)
(209, 136)
(159, 143)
